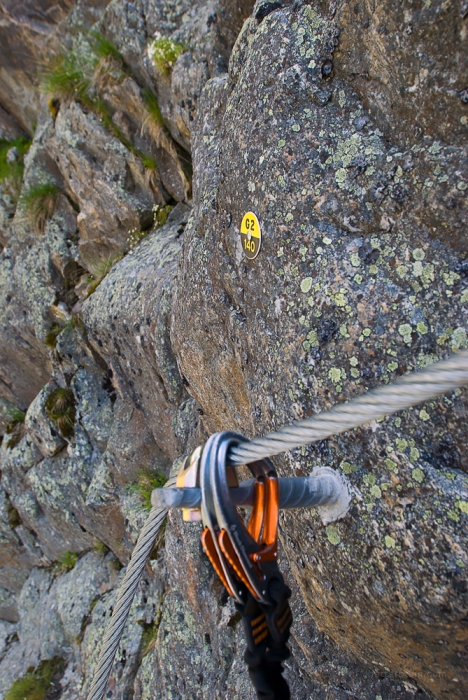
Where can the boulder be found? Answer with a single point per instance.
(128, 320)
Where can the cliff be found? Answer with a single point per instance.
(134, 136)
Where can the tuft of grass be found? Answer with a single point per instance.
(68, 77)
(39, 203)
(37, 683)
(148, 161)
(16, 415)
(103, 48)
(149, 636)
(51, 338)
(100, 547)
(152, 107)
(146, 482)
(164, 52)
(60, 407)
(11, 174)
(15, 427)
(75, 322)
(67, 562)
(100, 270)
(14, 519)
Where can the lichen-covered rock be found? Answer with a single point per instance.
(99, 169)
(128, 318)
(43, 431)
(34, 270)
(65, 615)
(355, 284)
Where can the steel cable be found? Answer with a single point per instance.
(125, 597)
(408, 391)
(414, 388)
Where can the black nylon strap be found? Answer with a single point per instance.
(267, 630)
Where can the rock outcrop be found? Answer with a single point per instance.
(132, 326)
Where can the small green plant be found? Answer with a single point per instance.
(60, 407)
(13, 516)
(146, 482)
(100, 270)
(152, 107)
(15, 427)
(11, 170)
(37, 683)
(67, 562)
(164, 52)
(75, 322)
(39, 203)
(134, 237)
(149, 636)
(67, 77)
(116, 564)
(100, 547)
(148, 161)
(16, 415)
(160, 214)
(51, 338)
(103, 48)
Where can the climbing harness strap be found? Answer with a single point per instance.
(245, 557)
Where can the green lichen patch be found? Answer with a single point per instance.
(333, 535)
(39, 682)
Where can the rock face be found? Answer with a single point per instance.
(133, 326)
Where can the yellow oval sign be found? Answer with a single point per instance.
(251, 235)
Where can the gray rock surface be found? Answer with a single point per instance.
(342, 126)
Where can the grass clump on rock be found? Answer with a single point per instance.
(165, 52)
(153, 109)
(12, 164)
(39, 203)
(38, 682)
(15, 427)
(60, 407)
(100, 270)
(146, 482)
(67, 562)
(100, 547)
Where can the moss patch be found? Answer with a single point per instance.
(39, 683)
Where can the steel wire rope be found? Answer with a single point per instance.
(414, 388)
(124, 600)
